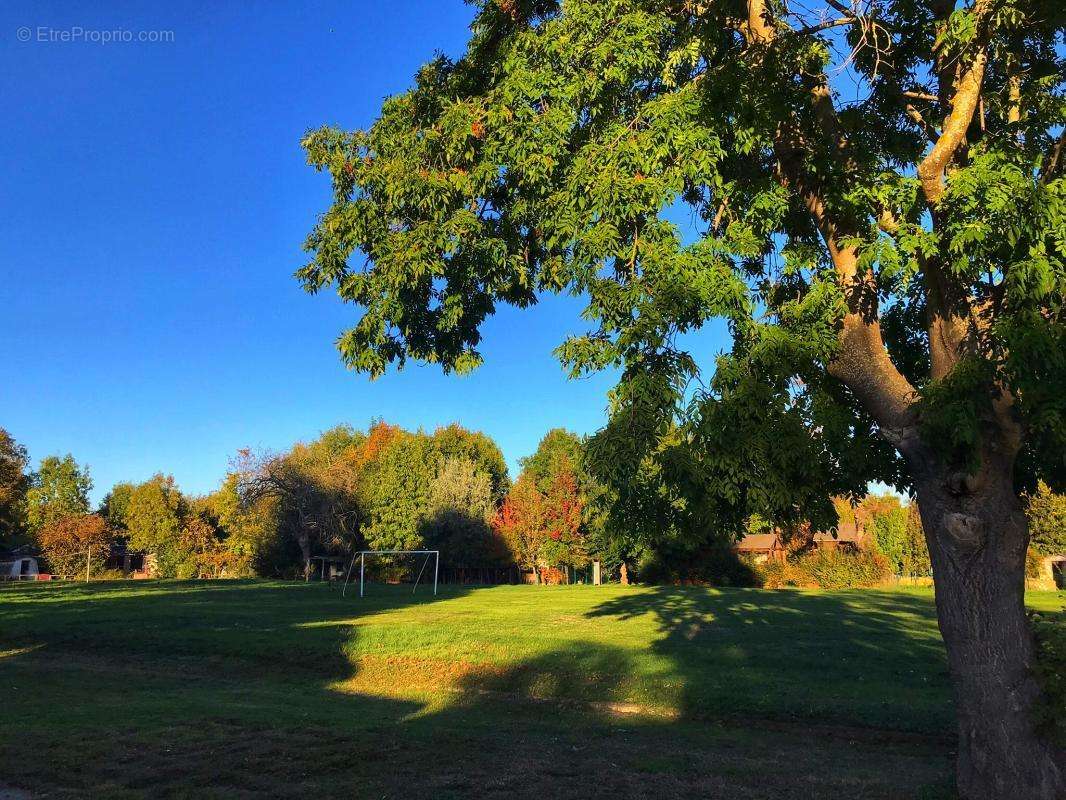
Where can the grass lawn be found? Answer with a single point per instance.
(253, 688)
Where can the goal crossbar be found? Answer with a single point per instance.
(361, 555)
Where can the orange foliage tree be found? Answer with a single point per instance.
(520, 523)
(69, 540)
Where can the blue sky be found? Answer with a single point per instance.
(152, 210)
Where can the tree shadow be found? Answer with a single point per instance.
(745, 653)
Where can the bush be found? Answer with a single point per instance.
(774, 574)
(1034, 565)
(833, 569)
(713, 565)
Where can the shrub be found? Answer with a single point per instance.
(109, 575)
(774, 574)
(715, 564)
(1034, 565)
(833, 569)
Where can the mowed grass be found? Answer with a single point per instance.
(255, 688)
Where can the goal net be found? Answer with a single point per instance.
(416, 567)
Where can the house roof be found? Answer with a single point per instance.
(758, 541)
(23, 551)
(845, 532)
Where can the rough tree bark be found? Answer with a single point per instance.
(978, 535)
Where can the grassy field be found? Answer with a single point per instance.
(241, 689)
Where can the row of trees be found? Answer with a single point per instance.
(383, 488)
(184, 536)
(388, 488)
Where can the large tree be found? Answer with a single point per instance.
(879, 199)
(13, 484)
(153, 518)
(60, 488)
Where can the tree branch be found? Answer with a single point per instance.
(862, 362)
(1053, 162)
(919, 120)
(931, 98)
(822, 26)
(963, 105)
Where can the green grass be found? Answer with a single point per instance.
(241, 689)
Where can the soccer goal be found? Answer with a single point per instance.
(362, 556)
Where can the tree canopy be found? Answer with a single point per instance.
(60, 488)
(549, 156)
(1047, 521)
(13, 484)
(73, 543)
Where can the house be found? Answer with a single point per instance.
(762, 547)
(132, 564)
(19, 564)
(848, 536)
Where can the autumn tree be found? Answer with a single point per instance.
(577, 505)
(71, 543)
(14, 482)
(1047, 520)
(563, 507)
(251, 529)
(558, 450)
(202, 545)
(60, 488)
(520, 523)
(879, 189)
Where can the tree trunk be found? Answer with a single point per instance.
(978, 535)
(623, 574)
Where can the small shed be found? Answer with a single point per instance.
(19, 568)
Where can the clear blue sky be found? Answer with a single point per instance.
(153, 202)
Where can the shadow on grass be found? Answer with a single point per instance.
(229, 690)
(863, 658)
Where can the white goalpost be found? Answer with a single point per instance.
(361, 557)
